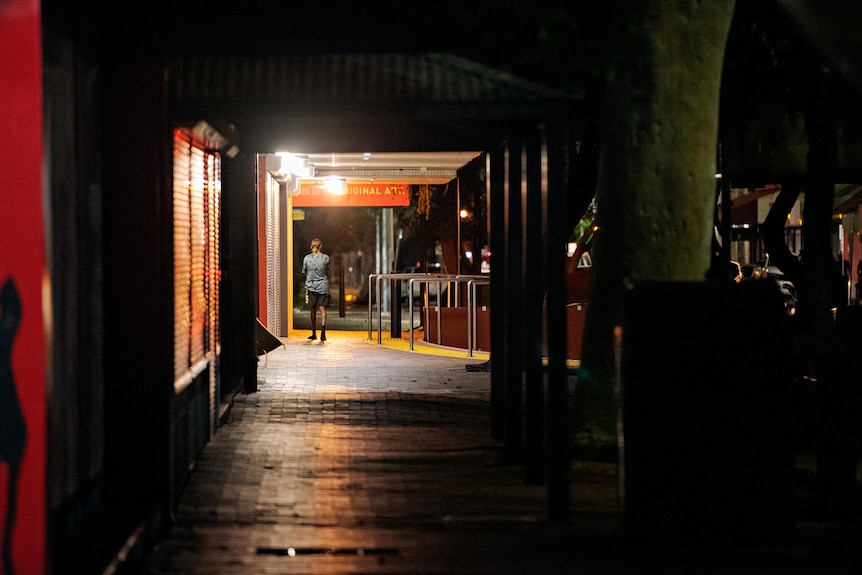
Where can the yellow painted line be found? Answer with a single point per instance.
(298, 337)
(420, 346)
(403, 344)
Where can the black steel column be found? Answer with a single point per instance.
(496, 179)
(559, 459)
(534, 290)
(726, 224)
(513, 349)
(239, 296)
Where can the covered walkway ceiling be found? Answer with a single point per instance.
(420, 116)
(407, 167)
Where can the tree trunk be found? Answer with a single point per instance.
(772, 233)
(656, 186)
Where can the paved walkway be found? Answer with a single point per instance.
(365, 459)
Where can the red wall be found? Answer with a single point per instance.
(22, 260)
(261, 240)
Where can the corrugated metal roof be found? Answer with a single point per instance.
(404, 78)
(847, 198)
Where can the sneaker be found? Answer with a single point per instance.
(312, 337)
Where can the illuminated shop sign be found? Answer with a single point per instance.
(352, 194)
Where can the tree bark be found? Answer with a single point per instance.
(656, 186)
(772, 232)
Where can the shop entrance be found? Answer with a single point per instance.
(375, 213)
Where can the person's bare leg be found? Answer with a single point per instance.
(313, 323)
(322, 323)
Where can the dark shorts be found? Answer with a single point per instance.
(316, 300)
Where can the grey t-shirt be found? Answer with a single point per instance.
(316, 270)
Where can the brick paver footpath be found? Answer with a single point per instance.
(354, 458)
(357, 458)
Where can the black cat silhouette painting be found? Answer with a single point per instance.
(13, 432)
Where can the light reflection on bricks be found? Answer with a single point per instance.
(350, 446)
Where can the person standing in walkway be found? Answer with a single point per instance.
(315, 266)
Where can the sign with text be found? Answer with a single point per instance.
(356, 194)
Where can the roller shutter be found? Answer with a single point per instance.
(273, 257)
(196, 208)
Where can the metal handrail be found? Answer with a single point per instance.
(472, 336)
(471, 306)
(472, 281)
(438, 281)
(375, 278)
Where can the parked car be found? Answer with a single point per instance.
(788, 290)
(785, 286)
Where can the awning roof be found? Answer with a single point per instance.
(321, 80)
(847, 198)
(358, 102)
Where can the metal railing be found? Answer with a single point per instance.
(375, 279)
(473, 282)
(473, 308)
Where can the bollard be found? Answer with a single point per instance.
(395, 299)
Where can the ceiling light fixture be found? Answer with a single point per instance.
(336, 185)
(296, 164)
